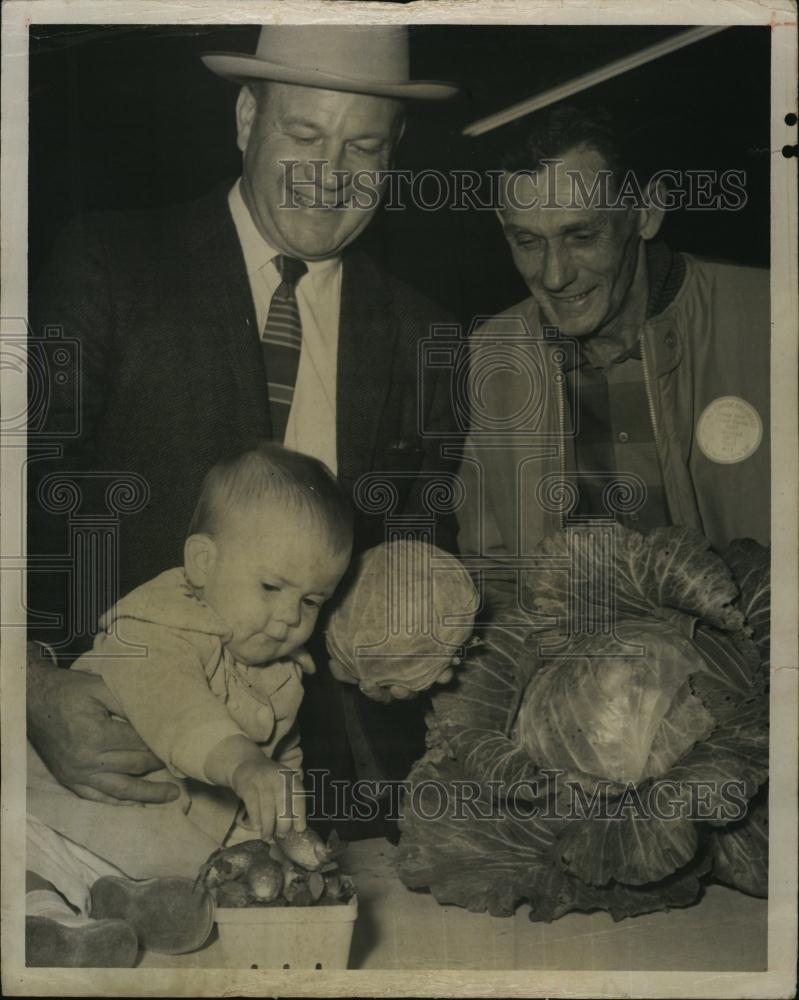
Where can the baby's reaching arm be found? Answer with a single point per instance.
(158, 679)
(271, 792)
(165, 695)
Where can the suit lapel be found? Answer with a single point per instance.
(365, 351)
(228, 314)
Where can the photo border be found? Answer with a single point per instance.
(779, 980)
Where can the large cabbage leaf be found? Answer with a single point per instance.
(603, 575)
(491, 865)
(740, 850)
(472, 719)
(708, 783)
(751, 567)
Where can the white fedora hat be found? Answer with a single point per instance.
(361, 59)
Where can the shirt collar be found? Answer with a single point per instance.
(578, 358)
(257, 251)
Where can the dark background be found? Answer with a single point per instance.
(128, 117)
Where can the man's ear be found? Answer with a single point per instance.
(498, 213)
(651, 217)
(246, 106)
(400, 130)
(501, 201)
(199, 553)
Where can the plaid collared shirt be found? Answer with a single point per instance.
(614, 424)
(615, 438)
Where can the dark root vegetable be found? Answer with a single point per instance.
(306, 849)
(265, 879)
(296, 870)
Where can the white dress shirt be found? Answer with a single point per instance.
(311, 426)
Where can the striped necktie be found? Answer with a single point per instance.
(281, 343)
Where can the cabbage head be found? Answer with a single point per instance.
(622, 717)
(633, 672)
(403, 620)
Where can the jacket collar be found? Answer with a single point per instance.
(169, 601)
(666, 273)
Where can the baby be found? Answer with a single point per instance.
(206, 662)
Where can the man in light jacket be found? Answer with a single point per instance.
(633, 382)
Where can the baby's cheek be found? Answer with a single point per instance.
(308, 624)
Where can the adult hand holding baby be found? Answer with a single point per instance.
(71, 727)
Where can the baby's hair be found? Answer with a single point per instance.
(268, 472)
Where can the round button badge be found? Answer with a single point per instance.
(729, 430)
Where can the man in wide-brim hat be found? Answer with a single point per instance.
(173, 311)
(333, 94)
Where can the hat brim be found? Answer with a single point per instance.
(240, 68)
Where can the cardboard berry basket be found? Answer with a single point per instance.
(284, 937)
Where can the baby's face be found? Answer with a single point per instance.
(271, 572)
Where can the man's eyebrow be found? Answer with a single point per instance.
(316, 126)
(568, 227)
(571, 227)
(378, 136)
(305, 122)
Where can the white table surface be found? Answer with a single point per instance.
(400, 929)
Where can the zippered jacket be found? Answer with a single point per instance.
(705, 345)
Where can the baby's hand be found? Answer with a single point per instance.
(272, 795)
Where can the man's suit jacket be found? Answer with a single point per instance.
(171, 378)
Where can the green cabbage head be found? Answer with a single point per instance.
(404, 619)
(616, 713)
(636, 670)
